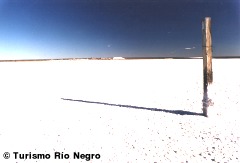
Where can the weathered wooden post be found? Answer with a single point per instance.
(207, 63)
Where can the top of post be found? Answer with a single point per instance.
(207, 18)
(206, 21)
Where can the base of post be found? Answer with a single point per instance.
(206, 103)
(205, 112)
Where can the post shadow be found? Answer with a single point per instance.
(177, 112)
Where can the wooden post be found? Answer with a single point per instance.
(207, 62)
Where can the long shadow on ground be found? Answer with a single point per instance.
(178, 112)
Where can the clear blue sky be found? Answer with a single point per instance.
(31, 29)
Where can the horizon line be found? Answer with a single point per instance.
(115, 58)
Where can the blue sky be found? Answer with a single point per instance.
(34, 29)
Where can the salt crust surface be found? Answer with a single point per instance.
(125, 110)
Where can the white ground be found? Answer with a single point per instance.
(38, 113)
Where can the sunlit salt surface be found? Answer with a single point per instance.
(124, 110)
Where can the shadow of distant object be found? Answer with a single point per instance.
(177, 112)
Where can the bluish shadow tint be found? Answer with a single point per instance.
(178, 112)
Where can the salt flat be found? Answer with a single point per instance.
(124, 110)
